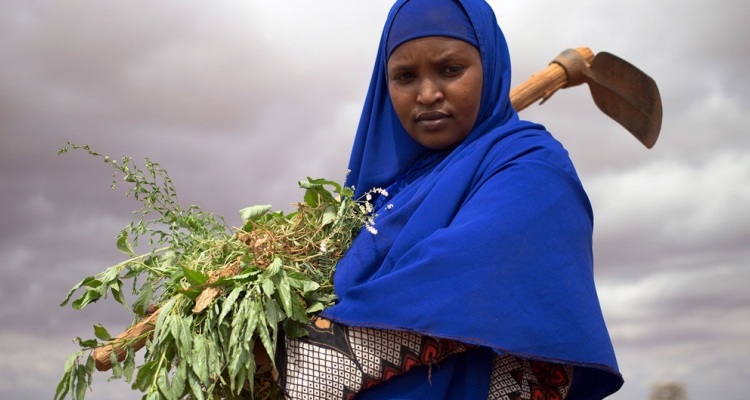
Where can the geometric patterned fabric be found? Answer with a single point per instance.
(336, 361)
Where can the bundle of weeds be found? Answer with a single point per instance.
(214, 291)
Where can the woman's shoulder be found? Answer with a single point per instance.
(531, 144)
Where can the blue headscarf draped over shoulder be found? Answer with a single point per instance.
(488, 243)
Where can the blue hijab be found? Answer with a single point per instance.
(488, 243)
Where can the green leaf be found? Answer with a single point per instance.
(285, 295)
(312, 198)
(109, 275)
(301, 282)
(272, 269)
(200, 358)
(87, 281)
(192, 294)
(179, 379)
(315, 192)
(162, 382)
(195, 386)
(145, 376)
(116, 366)
(241, 278)
(181, 333)
(347, 192)
(90, 365)
(226, 307)
(63, 387)
(274, 314)
(91, 343)
(298, 311)
(124, 245)
(89, 296)
(144, 299)
(71, 361)
(254, 212)
(153, 395)
(236, 365)
(81, 384)
(101, 333)
(321, 181)
(264, 334)
(194, 277)
(72, 382)
(329, 215)
(213, 362)
(116, 289)
(128, 365)
(268, 287)
(162, 318)
(252, 320)
(307, 184)
(317, 307)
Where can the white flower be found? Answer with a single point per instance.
(368, 197)
(324, 245)
(371, 229)
(389, 206)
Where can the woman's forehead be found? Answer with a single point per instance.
(434, 49)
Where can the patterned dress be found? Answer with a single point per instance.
(336, 361)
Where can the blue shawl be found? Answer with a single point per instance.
(488, 243)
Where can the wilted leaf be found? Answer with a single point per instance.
(254, 212)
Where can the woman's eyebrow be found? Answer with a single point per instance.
(445, 59)
(404, 65)
(399, 66)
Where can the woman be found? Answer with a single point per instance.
(479, 281)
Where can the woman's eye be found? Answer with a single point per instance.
(406, 76)
(452, 70)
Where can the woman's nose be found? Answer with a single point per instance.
(429, 92)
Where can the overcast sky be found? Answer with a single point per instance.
(238, 100)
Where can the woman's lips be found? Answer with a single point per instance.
(432, 121)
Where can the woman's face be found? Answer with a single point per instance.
(435, 84)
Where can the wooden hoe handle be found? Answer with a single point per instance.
(134, 337)
(567, 70)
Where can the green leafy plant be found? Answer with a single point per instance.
(205, 292)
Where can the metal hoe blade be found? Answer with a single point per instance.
(627, 95)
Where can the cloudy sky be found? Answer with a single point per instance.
(238, 100)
